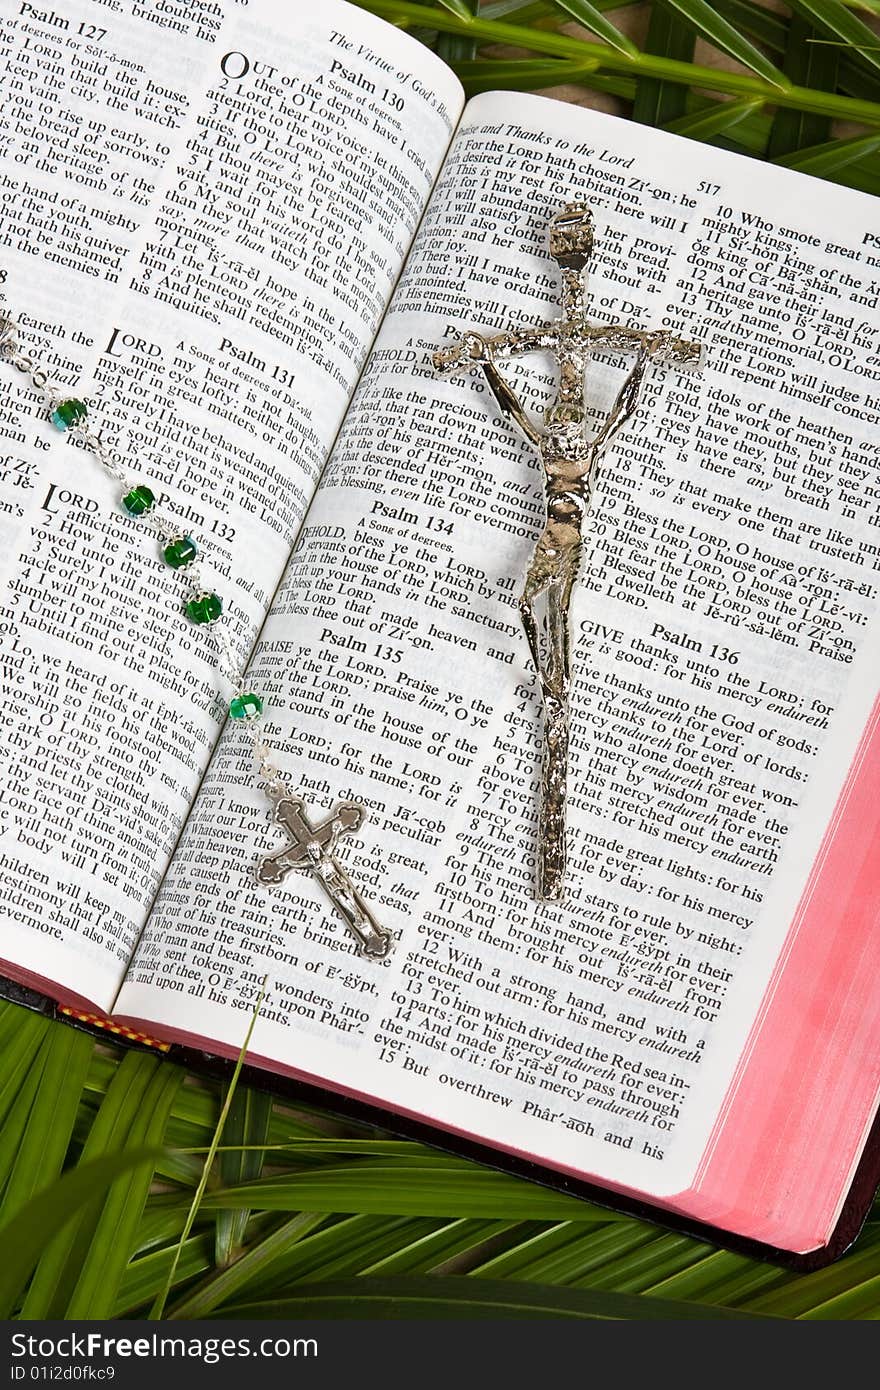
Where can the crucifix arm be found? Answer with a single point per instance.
(509, 402)
(473, 350)
(660, 345)
(519, 340)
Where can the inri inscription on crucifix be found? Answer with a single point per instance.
(312, 849)
(570, 451)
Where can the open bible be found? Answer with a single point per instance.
(241, 236)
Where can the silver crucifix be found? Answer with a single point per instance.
(311, 849)
(570, 454)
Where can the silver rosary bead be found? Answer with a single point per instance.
(234, 675)
(272, 777)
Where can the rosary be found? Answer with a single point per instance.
(570, 455)
(310, 847)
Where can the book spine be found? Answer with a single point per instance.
(118, 1029)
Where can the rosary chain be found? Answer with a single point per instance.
(168, 532)
(204, 608)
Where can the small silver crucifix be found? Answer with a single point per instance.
(570, 453)
(312, 849)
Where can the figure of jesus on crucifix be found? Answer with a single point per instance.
(570, 452)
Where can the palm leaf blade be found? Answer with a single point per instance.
(832, 18)
(450, 1188)
(47, 1215)
(706, 20)
(812, 65)
(429, 1297)
(716, 119)
(41, 1147)
(658, 102)
(594, 20)
(101, 1271)
(830, 158)
(58, 1271)
(248, 1124)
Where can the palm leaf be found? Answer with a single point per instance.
(441, 1187)
(451, 47)
(813, 64)
(264, 1257)
(159, 1305)
(18, 1113)
(520, 74)
(716, 119)
(851, 1283)
(769, 28)
(659, 102)
(102, 1269)
(832, 157)
(833, 19)
(717, 1276)
(558, 1254)
(40, 1143)
(147, 1277)
(594, 20)
(864, 177)
(284, 1252)
(546, 13)
(443, 1245)
(523, 11)
(248, 1124)
(458, 7)
(50, 1212)
(465, 1298)
(774, 89)
(18, 1056)
(135, 1105)
(705, 20)
(772, 32)
(644, 1264)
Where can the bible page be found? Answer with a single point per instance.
(204, 213)
(723, 669)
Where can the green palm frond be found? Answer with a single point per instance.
(834, 154)
(807, 63)
(468, 1298)
(658, 102)
(594, 20)
(835, 21)
(302, 1215)
(718, 118)
(796, 74)
(705, 20)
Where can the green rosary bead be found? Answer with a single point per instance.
(139, 500)
(180, 551)
(203, 608)
(68, 413)
(248, 706)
